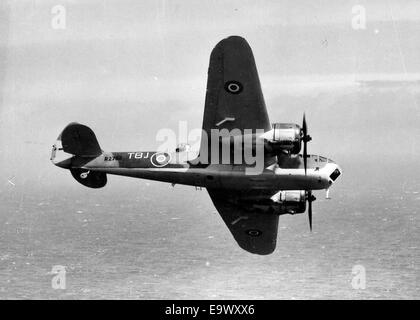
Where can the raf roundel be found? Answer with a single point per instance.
(233, 87)
(160, 159)
(253, 232)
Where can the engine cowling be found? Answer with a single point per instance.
(290, 201)
(286, 137)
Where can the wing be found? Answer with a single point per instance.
(254, 231)
(234, 99)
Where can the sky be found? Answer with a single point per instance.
(130, 68)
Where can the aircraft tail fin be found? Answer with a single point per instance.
(91, 179)
(76, 145)
(80, 140)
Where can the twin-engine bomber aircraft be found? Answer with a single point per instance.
(250, 204)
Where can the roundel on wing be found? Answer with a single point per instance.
(160, 159)
(234, 87)
(253, 232)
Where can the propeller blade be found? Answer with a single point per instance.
(305, 141)
(310, 199)
(310, 209)
(304, 128)
(305, 155)
(310, 212)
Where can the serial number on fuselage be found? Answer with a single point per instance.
(131, 155)
(112, 158)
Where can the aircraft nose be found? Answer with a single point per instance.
(336, 171)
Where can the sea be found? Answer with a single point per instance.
(138, 239)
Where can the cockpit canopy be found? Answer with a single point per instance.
(322, 159)
(318, 158)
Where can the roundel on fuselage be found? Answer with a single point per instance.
(160, 159)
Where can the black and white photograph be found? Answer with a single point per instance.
(209, 150)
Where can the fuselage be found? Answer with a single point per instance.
(177, 168)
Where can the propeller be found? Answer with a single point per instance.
(310, 198)
(305, 138)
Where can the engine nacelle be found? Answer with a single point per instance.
(285, 136)
(290, 201)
